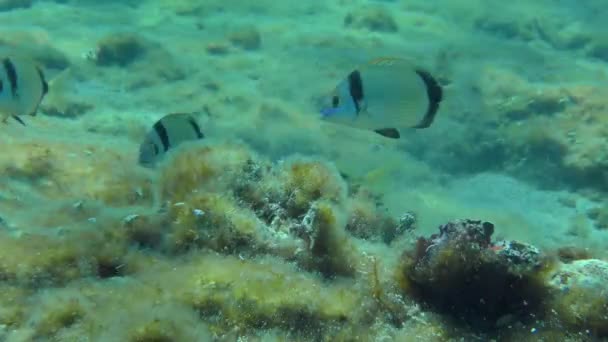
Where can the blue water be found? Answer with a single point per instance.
(519, 140)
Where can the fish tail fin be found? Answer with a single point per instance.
(60, 77)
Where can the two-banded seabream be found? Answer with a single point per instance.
(167, 133)
(386, 95)
(22, 88)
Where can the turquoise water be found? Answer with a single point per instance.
(279, 225)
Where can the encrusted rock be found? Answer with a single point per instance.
(460, 271)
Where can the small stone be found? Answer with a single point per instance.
(247, 38)
(78, 205)
(120, 49)
(149, 62)
(130, 218)
(67, 109)
(373, 19)
(407, 222)
(518, 253)
(217, 49)
(600, 216)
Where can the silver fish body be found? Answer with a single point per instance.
(167, 133)
(385, 95)
(22, 87)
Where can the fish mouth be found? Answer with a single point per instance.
(145, 161)
(326, 112)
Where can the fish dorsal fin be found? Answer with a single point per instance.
(392, 133)
(390, 61)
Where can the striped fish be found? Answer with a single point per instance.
(167, 133)
(386, 95)
(22, 88)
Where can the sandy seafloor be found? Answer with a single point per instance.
(265, 97)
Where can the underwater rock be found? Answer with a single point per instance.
(121, 49)
(217, 48)
(227, 199)
(516, 98)
(564, 123)
(581, 299)
(149, 59)
(266, 294)
(366, 220)
(371, 18)
(246, 38)
(35, 45)
(518, 253)
(506, 26)
(59, 317)
(238, 241)
(569, 254)
(461, 272)
(599, 215)
(407, 221)
(563, 34)
(51, 168)
(328, 248)
(66, 109)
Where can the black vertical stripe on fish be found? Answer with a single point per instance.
(435, 95)
(45, 85)
(335, 101)
(9, 68)
(196, 128)
(355, 88)
(18, 119)
(160, 130)
(45, 90)
(392, 133)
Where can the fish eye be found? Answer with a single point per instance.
(335, 101)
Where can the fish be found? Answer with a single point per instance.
(167, 133)
(22, 87)
(386, 95)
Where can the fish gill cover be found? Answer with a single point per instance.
(490, 224)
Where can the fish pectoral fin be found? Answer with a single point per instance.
(18, 119)
(392, 133)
